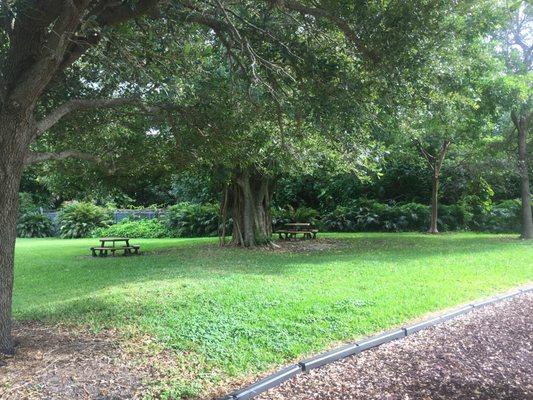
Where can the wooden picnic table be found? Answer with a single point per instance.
(299, 224)
(293, 228)
(113, 240)
(103, 249)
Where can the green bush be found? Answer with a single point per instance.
(34, 224)
(138, 228)
(280, 216)
(454, 217)
(26, 203)
(504, 216)
(369, 215)
(414, 216)
(470, 214)
(192, 220)
(79, 219)
(478, 209)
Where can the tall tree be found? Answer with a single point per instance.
(441, 107)
(517, 49)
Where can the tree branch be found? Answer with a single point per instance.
(37, 157)
(348, 31)
(77, 48)
(116, 12)
(430, 158)
(79, 105)
(442, 154)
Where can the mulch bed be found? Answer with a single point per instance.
(487, 354)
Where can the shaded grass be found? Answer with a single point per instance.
(234, 312)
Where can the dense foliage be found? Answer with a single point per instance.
(141, 228)
(31, 220)
(329, 121)
(194, 220)
(369, 215)
(79, 219)
(191, 220)
(34, 224)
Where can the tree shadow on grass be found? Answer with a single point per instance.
(205, 268)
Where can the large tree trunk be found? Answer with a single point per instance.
(520, 122)
(434, 204)
(15, 135)
(251, 194)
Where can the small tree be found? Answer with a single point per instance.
(444, 112)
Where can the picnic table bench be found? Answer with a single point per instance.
(294, 228)
(104, 250)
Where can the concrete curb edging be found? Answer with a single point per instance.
(330, 356)
(267, 383)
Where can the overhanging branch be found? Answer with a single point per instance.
(114, 13)
(341, 23)
(37, 157)
(80, 105)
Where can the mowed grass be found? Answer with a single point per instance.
(238, 312)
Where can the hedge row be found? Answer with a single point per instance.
(82, 219)
(79, 219)
(368, 215)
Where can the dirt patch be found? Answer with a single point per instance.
(277, 246)
(61, 363)
(58, 362)
(308, 245)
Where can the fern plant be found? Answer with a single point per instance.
(190, 220)
(78, 219)
(33, 224)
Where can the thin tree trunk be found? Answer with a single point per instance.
(520, 122)
(15, 134)
(435, 162)
(434, 204)
(223, 217)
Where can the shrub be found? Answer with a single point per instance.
(26, 203)
(369, 215)
(306, 214)
(34, 224)
(478, 208)
(504, 216)
(342, 219)
(191, 220)
(79, 219)
(415, 216)
(138, 228)
(280, 216)
(454, 217)
(470, 214)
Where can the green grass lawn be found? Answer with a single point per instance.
(237, 312)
